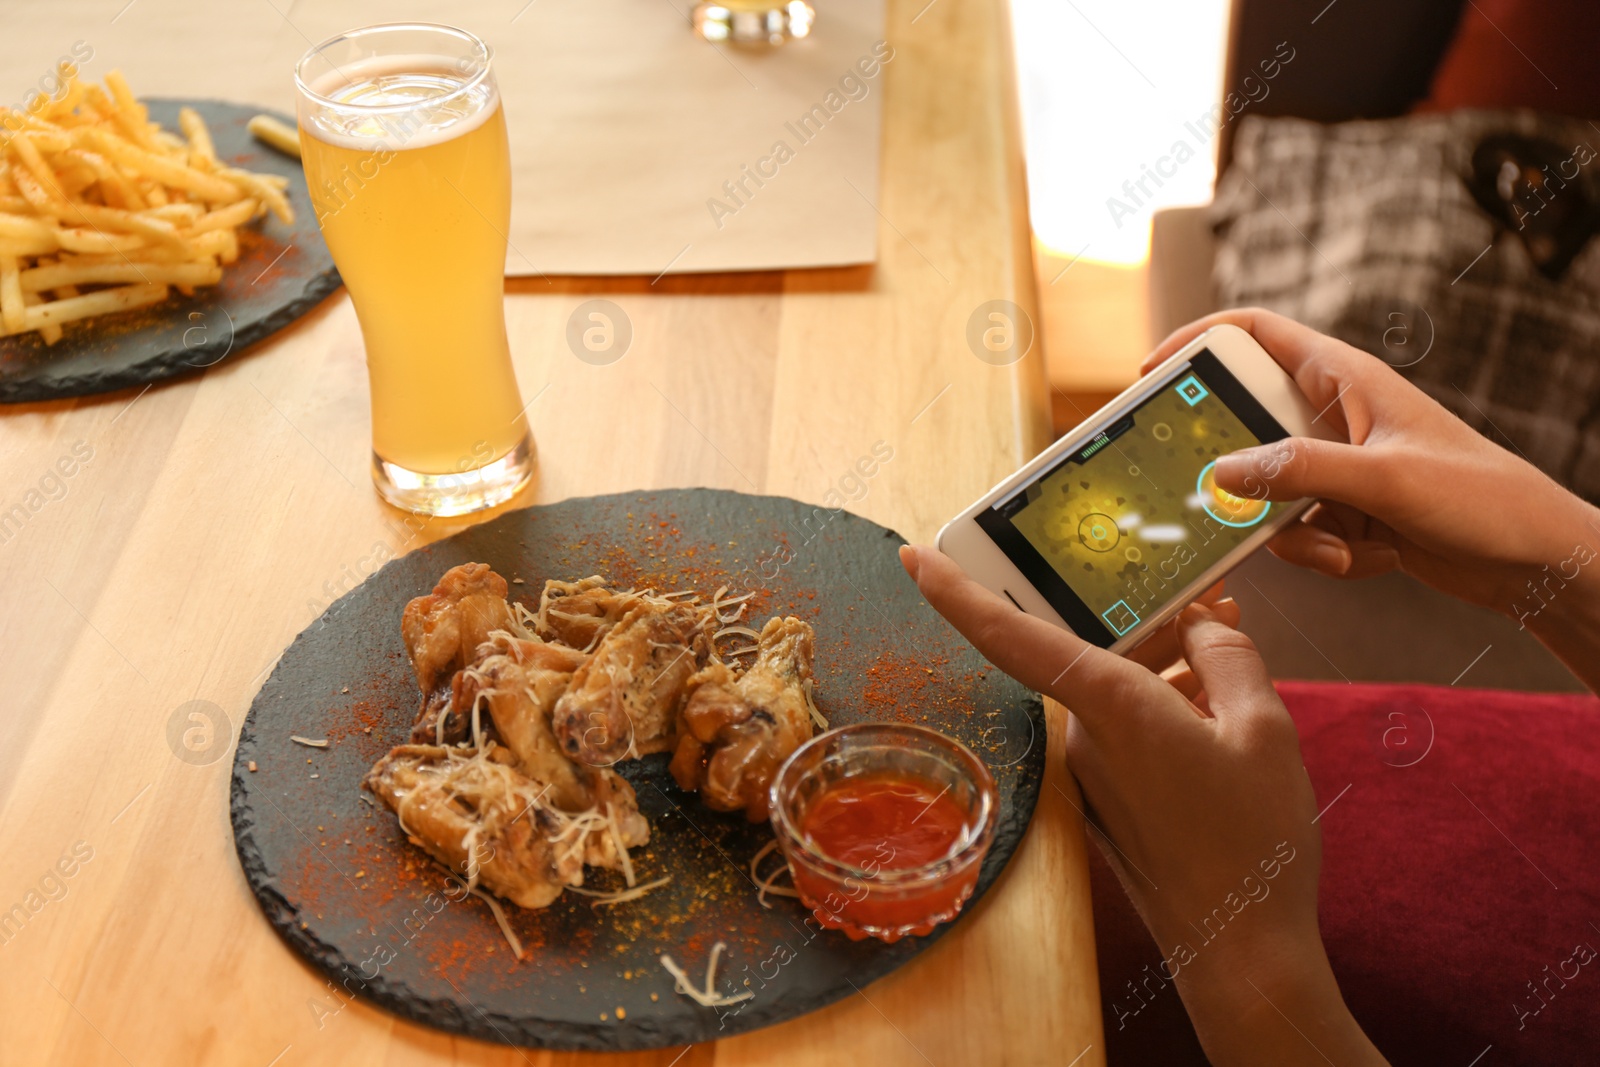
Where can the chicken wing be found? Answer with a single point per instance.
(442, 631)
(481, 818)
(736, 730)
(624, 701)
(581, 613)
(479, 815)
(520, 682)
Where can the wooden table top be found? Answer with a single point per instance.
(210, 519)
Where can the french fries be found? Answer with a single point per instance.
(69, 275)
(103, 302)
(103, 211)
(269, 130)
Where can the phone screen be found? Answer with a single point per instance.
(1115, 530)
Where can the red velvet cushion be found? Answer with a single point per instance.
(1454, 875)
(1540, 54)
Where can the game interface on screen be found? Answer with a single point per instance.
(1135, 515)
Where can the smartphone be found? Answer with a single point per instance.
(1117, 526)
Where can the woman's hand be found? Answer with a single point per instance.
(1418, 490)
(1208, 815)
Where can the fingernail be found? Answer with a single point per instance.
(908, 560)
(1331, 556)
(1233, 468)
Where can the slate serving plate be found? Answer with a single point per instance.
(282, 273)
(337, 879)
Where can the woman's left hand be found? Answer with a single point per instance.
(1203, 807)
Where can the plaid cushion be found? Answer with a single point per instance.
(1367, 231)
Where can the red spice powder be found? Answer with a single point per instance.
(898, 686)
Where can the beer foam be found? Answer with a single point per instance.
(416, 85)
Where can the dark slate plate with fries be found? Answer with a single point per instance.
(137, 256)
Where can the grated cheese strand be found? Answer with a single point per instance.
(742, 631)
(765, 885)
(755, 861)
(477, 724)
(622, 849)
(500, 918)
(494, 909)
(526, 622)
(718, 604)
(811, 705)
(309, 742)
(621, 896)
(707, 997)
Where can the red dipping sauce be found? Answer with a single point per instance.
(885, 828)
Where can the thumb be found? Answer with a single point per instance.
(1227, 666)
(1100, 687)
(1299, 467)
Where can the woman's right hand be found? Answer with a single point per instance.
(1418, 490)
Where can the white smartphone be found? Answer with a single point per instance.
(1117, 526)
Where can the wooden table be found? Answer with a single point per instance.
(217, 516)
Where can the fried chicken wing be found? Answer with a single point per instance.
(441, 632)
(736, 730)
(480, 817)
(520, 682)
(624, 700)
(581, 613)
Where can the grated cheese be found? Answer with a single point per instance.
(718, 604)
(811, 705)
(765, 885)
(742, 631)
(707, 997)
(494, 908)
(622, 849)
(620, 896)
(526, 622)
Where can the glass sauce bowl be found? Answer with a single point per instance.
(884, 826)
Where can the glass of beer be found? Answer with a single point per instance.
(404, 146)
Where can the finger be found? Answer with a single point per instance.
(1183, 679)
(1244, 318)
(1310, 546)
(1290, 343)
(1371, 558)
(1324, 368)
(1313, 548)
(1341, 520)
(1293, 338)
(1029, 649)
(1225, 662)
(1160, 650)
(1299, 467)
(1098, 686)
(1227, 612)
(1350, 524)
(1186, 683)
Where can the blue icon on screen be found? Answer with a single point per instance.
(1192, 391)
(1120, 617)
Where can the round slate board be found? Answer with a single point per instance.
(338, 880)
(282, 273)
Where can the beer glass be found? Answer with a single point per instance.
(404, 145)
